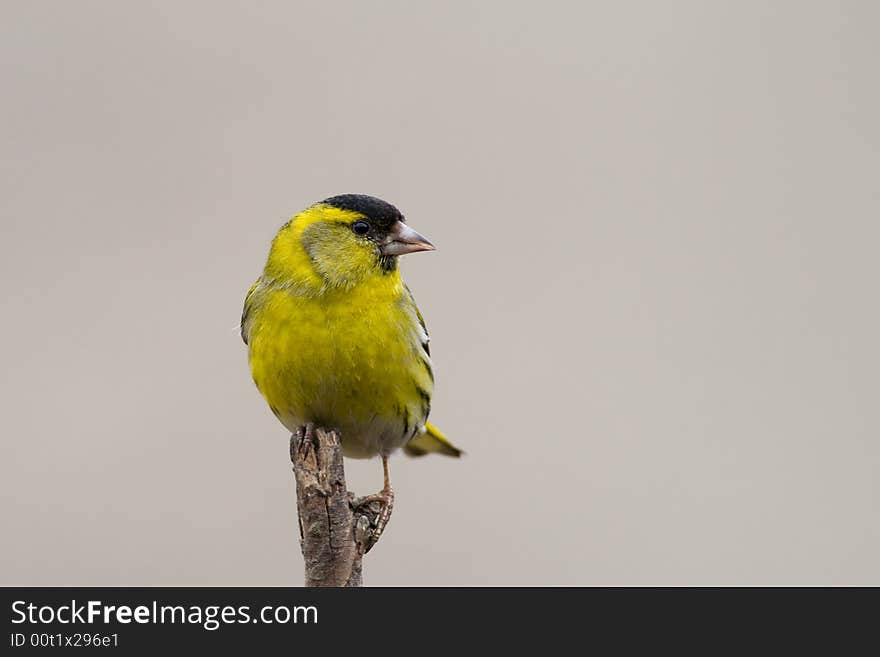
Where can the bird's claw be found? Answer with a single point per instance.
(372, 513)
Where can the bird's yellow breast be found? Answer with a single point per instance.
(349, 358)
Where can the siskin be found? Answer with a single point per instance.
(334, 336)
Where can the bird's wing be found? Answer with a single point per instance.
(246, 311)
(429, 440)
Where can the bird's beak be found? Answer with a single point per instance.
(402, 240)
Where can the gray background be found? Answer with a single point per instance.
(654, 306)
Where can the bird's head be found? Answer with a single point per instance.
(341, 241)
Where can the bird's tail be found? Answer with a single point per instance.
(430, 441)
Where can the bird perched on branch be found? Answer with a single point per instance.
(335, 338)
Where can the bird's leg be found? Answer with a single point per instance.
(377, 506)
(387, 487)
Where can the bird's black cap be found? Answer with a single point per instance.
(380, 213)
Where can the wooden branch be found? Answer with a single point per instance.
(334, 537)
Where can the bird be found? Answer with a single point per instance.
(335, 338)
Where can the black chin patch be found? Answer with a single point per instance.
(388, 263)
(381, 215)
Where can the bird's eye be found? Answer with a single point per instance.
(360, 228)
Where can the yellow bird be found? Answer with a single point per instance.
(334, 336)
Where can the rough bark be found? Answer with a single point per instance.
(334, 537)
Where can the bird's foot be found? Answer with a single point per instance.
(372, 513)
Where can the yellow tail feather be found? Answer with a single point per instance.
(431, 441)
